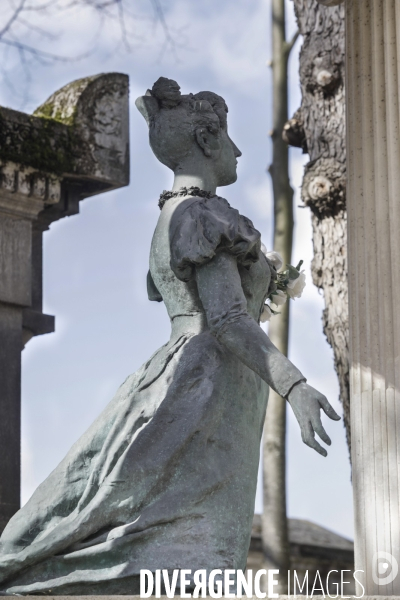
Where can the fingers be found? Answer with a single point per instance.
(318, 428)
(328, 410)
(307, 435)
(306, 404)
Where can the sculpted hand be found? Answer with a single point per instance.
(306, 403)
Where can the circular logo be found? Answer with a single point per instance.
(384, 568)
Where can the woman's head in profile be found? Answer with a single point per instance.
(188, 133)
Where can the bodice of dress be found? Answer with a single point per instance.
(189, 233)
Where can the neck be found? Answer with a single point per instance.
(205, 181)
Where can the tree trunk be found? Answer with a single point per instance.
(319, 127)
(274, 519)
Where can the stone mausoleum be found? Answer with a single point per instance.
(74, 146)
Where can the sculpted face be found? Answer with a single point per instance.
(226, 164)
(189, 134)
(220, 154)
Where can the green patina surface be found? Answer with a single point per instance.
(46, 111)
(41, 143)
(57, 105)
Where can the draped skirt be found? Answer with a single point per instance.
(165, 478)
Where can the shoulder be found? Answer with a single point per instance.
(200, 227)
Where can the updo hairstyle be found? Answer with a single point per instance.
(173, 119)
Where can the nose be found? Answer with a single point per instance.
(236, 150)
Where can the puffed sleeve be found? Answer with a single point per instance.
(201, 227)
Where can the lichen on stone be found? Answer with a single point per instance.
(40, 143)
(62, 105)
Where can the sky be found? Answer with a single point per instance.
(95, 263)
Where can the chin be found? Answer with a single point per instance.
(228, 179)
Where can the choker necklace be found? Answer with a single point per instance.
(183, 191)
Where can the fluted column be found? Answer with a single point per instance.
(373, 150)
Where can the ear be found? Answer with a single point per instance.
(203, 140)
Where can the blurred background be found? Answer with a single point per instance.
(95, 263)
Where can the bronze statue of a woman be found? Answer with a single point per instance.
(165, 478)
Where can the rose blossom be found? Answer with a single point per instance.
(266, 314)
(279, 298)
(295, 287)
(275, 258)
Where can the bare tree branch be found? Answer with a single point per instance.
(122, 24)
(101, 7)
(13, 18)
(28, 25)
(43, 32)
(24, 48)
(27, 72)
(161, 17)
(98, 6)
(289, 45)
(40, 7)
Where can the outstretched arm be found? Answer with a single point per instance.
(224, 302)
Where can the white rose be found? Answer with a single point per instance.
(275, 258)
(279, 298)
(295, 287)
(266, 314)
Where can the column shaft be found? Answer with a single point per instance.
(10, 411)
(373, 150)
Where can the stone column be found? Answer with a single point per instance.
(373, 196)
(10, 412)
(16, 214)
(75, 146)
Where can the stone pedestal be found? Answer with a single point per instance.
(373, 150)
(76, 145)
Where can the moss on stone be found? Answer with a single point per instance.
(58, 104)
(46, 111)
(41, 143)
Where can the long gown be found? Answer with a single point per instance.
(165, 478)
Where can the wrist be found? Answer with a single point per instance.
(295, 385)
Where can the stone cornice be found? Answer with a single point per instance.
(80, 134)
